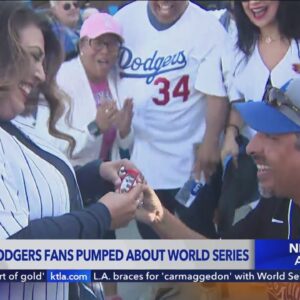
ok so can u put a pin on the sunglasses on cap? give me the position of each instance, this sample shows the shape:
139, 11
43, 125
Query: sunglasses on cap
279, 100
67, 6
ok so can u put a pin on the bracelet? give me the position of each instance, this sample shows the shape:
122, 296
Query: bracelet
235, 127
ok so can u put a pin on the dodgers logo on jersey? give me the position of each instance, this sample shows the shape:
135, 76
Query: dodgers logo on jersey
135, 67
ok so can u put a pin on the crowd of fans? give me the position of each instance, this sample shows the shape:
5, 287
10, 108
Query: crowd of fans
171, 89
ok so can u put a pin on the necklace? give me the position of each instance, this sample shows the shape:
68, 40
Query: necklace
269, 39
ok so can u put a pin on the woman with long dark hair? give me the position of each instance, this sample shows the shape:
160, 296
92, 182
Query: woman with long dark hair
265, 54
40, 197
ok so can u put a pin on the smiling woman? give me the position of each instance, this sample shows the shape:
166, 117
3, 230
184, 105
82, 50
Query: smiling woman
15, 64
23, 67
32, 42
34, 205
264, 54
99, 123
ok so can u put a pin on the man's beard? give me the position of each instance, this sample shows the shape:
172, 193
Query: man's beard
264, 192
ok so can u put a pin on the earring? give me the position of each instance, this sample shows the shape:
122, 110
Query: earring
81, 53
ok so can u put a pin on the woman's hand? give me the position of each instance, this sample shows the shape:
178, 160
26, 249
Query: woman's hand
110, 170
106, 115
207, 159
122, 206
124, 118
230, 146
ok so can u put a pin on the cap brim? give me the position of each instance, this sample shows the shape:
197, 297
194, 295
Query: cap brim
95, 35
265, 118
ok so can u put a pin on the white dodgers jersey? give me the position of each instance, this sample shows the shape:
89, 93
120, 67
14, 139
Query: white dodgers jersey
159, 69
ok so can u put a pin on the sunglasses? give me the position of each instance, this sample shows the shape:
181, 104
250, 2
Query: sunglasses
277, 99
99, 45
68, 6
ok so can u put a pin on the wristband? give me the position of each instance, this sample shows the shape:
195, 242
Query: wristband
93, 129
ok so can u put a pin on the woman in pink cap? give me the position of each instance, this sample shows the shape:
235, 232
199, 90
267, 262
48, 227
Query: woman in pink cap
99, 124
89, 81
95, 118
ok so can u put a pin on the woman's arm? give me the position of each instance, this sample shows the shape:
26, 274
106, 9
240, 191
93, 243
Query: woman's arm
90, 223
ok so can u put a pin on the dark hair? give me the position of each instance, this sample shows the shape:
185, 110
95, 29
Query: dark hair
14, 62
288, 17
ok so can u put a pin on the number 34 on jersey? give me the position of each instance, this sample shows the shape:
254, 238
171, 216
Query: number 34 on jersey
165, 92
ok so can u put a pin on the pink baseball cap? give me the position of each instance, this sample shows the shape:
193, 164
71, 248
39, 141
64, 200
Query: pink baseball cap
98, 24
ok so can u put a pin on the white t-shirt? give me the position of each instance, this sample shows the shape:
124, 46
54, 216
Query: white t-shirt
159, 70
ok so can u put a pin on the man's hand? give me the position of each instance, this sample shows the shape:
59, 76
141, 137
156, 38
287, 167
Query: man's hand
165, 224
124, 118
151, 211
110, 170
122, 207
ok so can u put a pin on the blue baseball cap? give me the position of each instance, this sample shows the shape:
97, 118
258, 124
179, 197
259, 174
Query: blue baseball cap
279, 114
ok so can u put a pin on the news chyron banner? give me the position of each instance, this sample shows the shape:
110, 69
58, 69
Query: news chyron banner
149, 261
